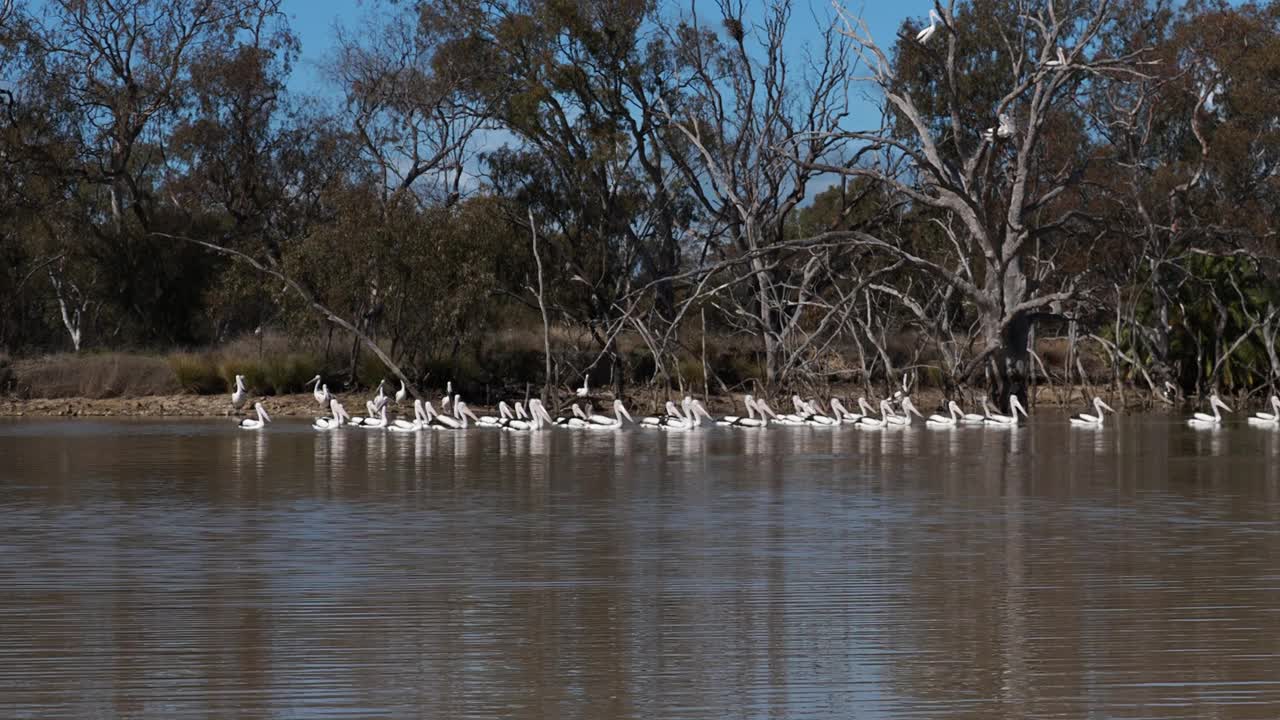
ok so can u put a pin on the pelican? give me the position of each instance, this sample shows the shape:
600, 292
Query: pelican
576, 420
419, 420
750, 420
320, 392
654, 421
1206, 420
1269, 419
378, 422
604, 422
381, 396
582, 391
239, 394
923, 36
819, 419
504, 414
256, 423
867, 422
747, 400
538, 417
402, 393
841, 413
1059, 63
951, 419
1087, 420
972, 418
1015, 406
908, 408
335, 421
684, 418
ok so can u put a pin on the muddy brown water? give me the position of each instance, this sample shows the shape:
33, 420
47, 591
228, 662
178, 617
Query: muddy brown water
190, 570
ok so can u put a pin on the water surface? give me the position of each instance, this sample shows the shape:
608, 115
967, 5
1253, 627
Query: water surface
191, 570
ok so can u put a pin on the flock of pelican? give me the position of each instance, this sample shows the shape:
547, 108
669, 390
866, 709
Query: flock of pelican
688, 414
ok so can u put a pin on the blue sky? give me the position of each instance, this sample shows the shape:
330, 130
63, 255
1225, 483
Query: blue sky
314, 22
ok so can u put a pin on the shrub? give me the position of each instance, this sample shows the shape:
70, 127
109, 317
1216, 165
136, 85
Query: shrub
198, 373
96, 376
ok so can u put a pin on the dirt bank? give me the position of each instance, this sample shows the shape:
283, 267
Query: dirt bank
643, 401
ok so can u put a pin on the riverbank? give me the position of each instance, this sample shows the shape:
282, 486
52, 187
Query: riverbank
643, 400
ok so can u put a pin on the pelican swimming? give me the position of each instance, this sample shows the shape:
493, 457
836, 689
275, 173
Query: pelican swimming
1088, 420
971, 418
419, 421
1015, 406
654, 421
256, 423
504, 414
923, 36
1206, 420
604, 422
908, 409
335, 421
239, 394
817, 418
538, 418
748, 401
577, 420
750, 420
951, 419
377, 422
868, 422
1269, 419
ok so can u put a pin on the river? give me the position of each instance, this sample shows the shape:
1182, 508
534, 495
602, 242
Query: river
187, 569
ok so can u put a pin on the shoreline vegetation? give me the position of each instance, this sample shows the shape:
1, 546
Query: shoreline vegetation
197, 384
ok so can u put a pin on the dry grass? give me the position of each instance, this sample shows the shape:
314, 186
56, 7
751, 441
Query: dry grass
106, 375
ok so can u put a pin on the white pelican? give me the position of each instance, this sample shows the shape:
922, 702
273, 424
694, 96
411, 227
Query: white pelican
683, 419
908, 409
750, 420
576, 420
819, 419
582, 391
604, 422
972, 418
1015, 406
376, 423
538, 418
335, 421
654, 421
749, 401
504, 414
1087, 420
402, 393
239, 394
381, 396
951, 419
319, 392
419, 420
923, 36
842, 413
867, 422
256, 423
699, 411
1269, 419
1206, 420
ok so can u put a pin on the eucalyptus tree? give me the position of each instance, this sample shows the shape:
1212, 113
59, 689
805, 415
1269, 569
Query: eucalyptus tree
982, 118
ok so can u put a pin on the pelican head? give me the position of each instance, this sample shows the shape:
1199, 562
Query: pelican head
313, 381
621, 410
1102, 406
910, 407
1215, 401
864, 406
1015, 406
954, 408
262, 412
